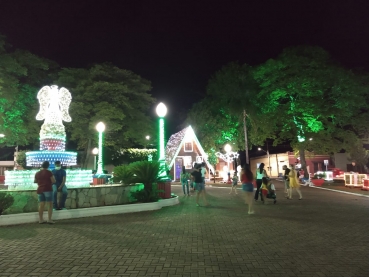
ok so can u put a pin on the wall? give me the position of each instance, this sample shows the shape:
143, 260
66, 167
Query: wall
27, 201
277, 161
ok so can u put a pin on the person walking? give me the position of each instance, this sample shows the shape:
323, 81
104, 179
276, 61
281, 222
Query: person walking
199, 184
203, 172
286, 181
248, 187
59, 186
234, 183
260, 174
44, 179
184, 181
294, 182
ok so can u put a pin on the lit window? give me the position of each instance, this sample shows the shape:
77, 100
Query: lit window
188, 147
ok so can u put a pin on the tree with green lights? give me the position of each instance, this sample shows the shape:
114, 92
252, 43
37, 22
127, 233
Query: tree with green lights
21, 75
115, 96
227, 114
304, 94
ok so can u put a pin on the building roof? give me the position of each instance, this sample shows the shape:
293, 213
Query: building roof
176, 142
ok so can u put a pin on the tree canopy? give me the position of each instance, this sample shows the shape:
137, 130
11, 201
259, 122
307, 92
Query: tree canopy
115, 96
21, 74
307, 95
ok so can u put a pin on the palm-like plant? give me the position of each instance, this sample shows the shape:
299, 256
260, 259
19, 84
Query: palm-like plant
146, 172
6, 200
123, 174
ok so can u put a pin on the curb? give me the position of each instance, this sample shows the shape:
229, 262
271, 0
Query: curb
340, 191
14, 219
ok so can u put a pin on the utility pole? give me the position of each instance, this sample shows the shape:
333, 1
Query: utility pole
246, 143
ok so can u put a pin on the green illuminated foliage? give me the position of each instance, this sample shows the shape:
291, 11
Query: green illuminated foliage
21, 75
218, 119
304, 93
6, 200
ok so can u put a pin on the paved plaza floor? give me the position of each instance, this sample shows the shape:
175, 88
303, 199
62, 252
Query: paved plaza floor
325, 234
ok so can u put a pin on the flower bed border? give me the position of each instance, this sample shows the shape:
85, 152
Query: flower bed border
23, 218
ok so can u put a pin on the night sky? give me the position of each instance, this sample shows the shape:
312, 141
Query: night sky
178, 45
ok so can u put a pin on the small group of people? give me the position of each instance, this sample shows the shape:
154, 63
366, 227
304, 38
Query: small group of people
49, 183
291, 182
197, 181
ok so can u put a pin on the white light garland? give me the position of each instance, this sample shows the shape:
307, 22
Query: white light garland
54, 105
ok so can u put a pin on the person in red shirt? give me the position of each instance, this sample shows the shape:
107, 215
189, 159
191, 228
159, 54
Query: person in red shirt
247, 177
45, 179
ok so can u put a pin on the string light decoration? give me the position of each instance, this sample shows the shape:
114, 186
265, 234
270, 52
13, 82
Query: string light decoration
23, 179
177, 141
54, 105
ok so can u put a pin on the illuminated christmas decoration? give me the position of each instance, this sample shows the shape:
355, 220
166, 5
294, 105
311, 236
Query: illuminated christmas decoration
178, 140
54, 105
161, 111
228, 157
23, 179
100, 127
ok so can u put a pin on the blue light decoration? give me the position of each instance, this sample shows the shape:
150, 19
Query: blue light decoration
36, 158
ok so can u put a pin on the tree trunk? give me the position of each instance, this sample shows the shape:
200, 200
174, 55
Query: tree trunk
246, 142
303, 159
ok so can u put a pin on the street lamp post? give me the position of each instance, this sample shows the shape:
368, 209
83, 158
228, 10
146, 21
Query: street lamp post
228, 149
100, 127
161, 111
269, 167
229, 156
95, 151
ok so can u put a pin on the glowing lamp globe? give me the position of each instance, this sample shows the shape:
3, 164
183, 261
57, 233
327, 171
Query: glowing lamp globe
161, 110
2, 135
100, 127
95, 151
227, 148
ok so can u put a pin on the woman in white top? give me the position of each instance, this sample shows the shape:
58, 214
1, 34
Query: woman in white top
260, 173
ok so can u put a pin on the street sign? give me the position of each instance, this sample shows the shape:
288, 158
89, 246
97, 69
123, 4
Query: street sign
326, 162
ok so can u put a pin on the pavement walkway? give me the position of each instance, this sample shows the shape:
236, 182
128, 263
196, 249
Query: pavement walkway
325, 234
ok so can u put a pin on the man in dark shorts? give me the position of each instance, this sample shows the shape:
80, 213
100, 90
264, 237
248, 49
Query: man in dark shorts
286, 180
199, 184
59, 186
44, 179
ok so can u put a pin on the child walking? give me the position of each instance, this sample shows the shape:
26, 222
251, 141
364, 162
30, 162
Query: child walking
184, 181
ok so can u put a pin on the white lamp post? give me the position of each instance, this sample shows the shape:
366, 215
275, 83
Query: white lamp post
161, 111
100, 127
229, 157
95, 151
228, 149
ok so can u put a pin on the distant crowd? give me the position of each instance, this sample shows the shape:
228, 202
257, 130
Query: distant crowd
264, 187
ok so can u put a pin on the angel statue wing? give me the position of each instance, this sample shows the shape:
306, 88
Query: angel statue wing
64, 101
44, 97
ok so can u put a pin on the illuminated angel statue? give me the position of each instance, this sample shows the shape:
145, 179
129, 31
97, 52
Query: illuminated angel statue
54, 105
